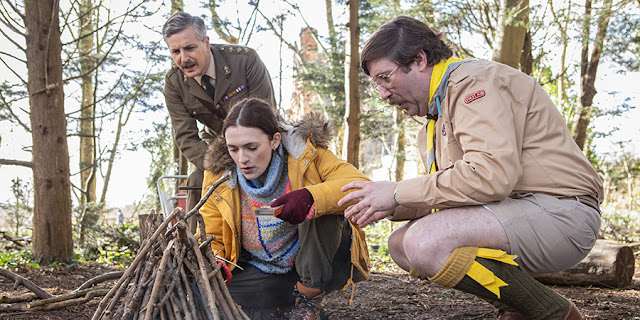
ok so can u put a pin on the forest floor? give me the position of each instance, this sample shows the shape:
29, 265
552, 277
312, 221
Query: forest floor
391, 294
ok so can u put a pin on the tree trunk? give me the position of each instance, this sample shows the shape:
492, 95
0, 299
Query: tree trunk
87, 113
352, 86
608, 264
526, 58
514, 20
52, 238
588, 70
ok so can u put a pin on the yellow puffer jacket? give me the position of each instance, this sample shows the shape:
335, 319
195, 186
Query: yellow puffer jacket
310, 164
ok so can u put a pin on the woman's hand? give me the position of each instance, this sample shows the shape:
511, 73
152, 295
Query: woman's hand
296, 206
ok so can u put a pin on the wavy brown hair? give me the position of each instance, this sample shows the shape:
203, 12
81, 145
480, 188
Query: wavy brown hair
401, 39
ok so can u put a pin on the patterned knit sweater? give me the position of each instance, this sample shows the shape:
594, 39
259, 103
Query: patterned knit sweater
273, 243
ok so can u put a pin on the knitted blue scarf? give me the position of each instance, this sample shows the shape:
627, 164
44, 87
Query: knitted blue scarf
253, 187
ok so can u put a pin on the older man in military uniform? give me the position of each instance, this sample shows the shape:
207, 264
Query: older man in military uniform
203, 84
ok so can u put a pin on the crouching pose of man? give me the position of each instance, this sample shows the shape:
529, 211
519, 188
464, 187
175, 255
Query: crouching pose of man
508, 192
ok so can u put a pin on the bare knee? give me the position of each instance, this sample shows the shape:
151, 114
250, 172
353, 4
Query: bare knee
396, 248
425, 252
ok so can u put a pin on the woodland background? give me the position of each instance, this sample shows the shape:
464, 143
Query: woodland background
77, 74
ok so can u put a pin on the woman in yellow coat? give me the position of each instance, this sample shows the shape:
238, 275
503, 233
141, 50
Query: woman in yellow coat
306, 248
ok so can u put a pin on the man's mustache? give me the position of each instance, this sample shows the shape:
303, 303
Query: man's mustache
188, 64
395, 100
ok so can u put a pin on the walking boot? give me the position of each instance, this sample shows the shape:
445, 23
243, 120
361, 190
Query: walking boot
308, 305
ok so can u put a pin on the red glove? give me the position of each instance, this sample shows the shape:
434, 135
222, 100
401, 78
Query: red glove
297, 206
226, 273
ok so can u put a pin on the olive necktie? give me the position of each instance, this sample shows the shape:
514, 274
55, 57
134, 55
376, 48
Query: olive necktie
208, 87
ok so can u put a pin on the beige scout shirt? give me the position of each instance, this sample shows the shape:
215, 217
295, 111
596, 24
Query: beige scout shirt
499, 134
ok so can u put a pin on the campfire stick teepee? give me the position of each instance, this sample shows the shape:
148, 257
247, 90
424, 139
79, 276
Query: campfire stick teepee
174, 276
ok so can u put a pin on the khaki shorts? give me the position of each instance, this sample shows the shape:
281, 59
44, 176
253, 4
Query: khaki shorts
548, 234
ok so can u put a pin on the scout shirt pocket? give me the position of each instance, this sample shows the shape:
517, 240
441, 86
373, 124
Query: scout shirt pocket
450, 152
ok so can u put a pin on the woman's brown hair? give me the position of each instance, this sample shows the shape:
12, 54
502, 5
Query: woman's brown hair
252, 113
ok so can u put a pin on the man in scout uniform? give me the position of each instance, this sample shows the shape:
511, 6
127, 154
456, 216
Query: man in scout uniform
203, 84
514, 192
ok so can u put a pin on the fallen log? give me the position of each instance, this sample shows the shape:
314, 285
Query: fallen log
609, 264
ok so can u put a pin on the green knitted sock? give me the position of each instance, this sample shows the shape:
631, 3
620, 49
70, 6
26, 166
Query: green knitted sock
523, 293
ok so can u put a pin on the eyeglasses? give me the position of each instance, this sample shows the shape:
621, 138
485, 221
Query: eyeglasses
382, 79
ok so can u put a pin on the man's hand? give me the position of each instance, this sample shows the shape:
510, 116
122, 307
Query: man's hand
297, 206
373, 201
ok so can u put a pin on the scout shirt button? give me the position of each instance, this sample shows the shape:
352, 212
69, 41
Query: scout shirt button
194, 113
217, 198
217, 106
305, 161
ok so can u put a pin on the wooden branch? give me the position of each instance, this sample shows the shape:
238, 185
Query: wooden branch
11, 162
62, 297
158, 281
132, 306
101, 278
205, 279
26, 283
189, 293
53, 305
204, 198
25, 297
16, 241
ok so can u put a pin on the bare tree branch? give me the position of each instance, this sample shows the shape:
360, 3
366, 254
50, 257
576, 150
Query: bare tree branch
14, 73
6, 22
16, 10
12, 56
281, 37
11, 162
219, 28
15, 117
9, 19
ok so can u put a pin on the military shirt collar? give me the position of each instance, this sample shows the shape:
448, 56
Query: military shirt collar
211, 71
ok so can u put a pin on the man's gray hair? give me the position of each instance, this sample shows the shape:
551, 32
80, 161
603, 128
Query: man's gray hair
182, 20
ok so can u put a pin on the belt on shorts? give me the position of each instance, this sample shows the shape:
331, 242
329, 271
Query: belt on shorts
588, 199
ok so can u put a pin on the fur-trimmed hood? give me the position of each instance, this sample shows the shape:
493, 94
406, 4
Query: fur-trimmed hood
314, 126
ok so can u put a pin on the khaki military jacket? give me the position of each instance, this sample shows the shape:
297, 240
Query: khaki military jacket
188, 102
499, 134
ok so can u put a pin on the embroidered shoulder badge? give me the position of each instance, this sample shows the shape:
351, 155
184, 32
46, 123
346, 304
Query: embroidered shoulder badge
474, 96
